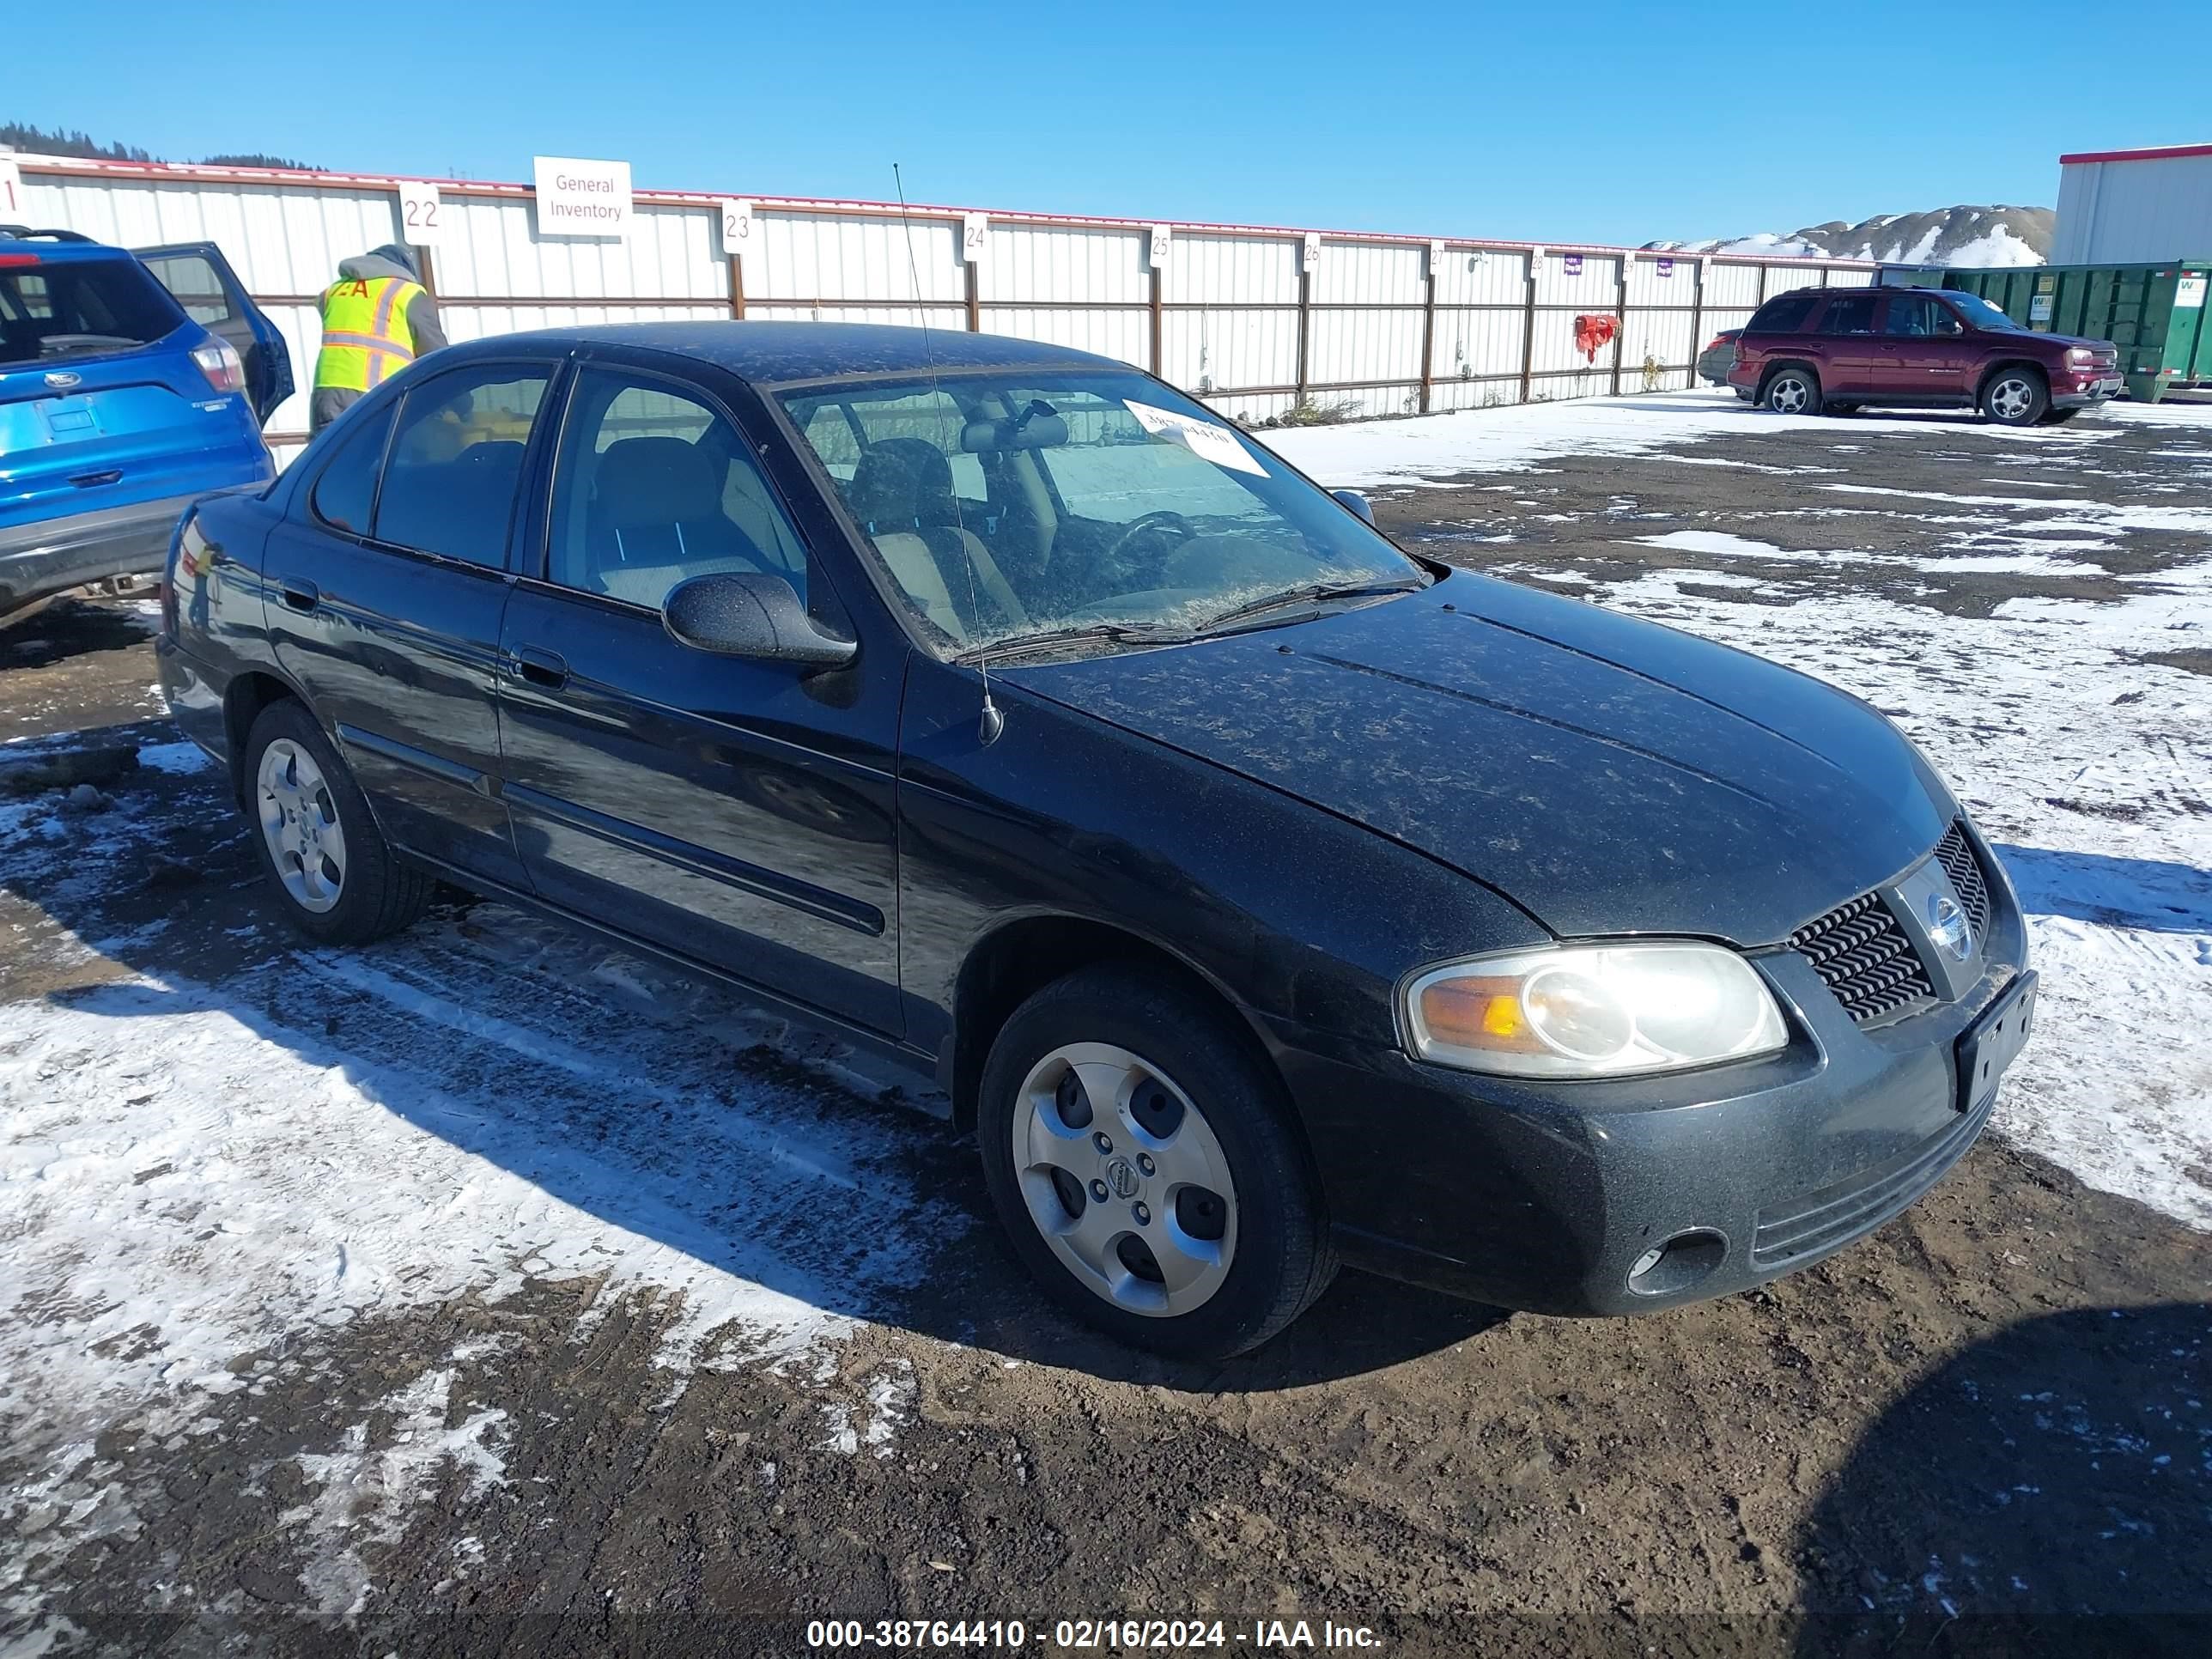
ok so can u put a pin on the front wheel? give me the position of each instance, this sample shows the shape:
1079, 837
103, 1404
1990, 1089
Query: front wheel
1792, 391
1143, 1161
338, 881
2015, 397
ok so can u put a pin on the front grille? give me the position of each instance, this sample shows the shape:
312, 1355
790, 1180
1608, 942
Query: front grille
1788, 1233
1965, 870
1862, 954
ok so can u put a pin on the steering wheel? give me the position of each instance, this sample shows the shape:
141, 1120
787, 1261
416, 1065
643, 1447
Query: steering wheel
1151, 521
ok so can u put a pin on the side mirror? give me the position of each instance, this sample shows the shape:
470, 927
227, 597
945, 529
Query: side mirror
735, 615
1356, 502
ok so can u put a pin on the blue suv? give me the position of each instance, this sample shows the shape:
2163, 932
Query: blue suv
131, 384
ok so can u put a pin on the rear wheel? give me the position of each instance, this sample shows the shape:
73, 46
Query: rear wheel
1143, 1161
336, 879
1792, 391
2015, 397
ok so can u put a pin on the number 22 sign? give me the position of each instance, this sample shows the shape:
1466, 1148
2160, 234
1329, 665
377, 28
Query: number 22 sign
422, 215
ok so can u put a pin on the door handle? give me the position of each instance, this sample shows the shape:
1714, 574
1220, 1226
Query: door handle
300, 596
547, 668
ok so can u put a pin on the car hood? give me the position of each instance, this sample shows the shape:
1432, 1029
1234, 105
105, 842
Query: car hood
1608, 775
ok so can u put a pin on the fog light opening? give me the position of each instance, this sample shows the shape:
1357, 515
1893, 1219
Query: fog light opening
1680, 1262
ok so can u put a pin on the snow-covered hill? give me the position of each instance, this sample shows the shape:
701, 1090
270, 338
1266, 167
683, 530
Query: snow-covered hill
1947, 236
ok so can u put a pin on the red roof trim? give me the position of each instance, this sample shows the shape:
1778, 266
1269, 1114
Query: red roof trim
193, 174
2169, 153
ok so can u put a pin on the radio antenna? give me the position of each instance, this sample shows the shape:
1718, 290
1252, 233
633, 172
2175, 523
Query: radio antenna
992, 722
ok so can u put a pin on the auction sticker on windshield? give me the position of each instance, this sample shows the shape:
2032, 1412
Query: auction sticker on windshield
1203, 439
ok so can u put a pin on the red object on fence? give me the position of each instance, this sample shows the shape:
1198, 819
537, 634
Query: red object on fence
1593, 332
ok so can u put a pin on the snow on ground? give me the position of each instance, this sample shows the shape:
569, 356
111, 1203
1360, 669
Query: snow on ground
1521, 437
2047, 701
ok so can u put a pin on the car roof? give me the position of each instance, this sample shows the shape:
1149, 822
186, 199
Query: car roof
57, 247
773, 353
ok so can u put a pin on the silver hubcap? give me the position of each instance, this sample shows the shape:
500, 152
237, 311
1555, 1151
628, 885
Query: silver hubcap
300, 822
1789, 395
1125, 1179
2012, 398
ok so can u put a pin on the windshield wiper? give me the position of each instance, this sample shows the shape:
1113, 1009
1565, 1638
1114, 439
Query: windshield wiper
1054, 639
1306, 594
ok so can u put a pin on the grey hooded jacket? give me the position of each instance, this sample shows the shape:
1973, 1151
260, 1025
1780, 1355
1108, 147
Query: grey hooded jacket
326, 403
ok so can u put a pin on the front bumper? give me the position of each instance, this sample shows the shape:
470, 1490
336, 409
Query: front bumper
2086, 390
58, 554
1547, 1197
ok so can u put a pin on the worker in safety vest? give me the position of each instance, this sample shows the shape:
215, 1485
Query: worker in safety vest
377, 318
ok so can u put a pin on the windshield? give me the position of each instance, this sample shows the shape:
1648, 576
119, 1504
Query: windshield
1004, 508
1981, 315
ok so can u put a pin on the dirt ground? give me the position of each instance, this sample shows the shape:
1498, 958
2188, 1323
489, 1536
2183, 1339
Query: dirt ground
1986, 1430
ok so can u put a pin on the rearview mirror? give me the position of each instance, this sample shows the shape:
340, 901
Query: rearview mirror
1356, 502
742, 615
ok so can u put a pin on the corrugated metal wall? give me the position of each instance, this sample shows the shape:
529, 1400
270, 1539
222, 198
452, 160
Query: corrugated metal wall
2117, 209
1249, 319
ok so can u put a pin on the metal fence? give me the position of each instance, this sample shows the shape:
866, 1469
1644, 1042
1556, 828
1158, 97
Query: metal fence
1253, 319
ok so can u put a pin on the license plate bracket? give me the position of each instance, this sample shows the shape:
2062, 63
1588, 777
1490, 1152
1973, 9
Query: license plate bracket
1993, 1042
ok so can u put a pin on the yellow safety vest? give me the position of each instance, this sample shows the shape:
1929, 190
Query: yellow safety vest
365, 339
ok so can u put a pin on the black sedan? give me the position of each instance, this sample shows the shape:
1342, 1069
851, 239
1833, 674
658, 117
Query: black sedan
1261, 895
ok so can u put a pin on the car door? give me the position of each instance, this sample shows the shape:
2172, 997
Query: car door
1850, 349
740, 813
1923, 348
386, 583
212, 296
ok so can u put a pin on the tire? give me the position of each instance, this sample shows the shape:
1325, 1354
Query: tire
334, 876
2058, 416
1258, 1253
1792, 388
2018, 396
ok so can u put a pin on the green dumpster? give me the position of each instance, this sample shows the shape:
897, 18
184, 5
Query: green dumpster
2155, 313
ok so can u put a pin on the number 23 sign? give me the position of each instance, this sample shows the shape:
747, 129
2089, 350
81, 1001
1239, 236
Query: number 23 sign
737, 219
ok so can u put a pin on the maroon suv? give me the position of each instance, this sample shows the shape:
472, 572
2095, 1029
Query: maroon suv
1816, 349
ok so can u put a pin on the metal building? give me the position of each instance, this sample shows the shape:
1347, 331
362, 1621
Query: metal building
2134, 206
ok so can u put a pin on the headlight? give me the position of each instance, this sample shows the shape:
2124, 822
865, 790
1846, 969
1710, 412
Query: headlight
2082, 356
1592, 1010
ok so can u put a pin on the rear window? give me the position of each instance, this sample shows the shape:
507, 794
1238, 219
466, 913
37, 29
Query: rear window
1784, 314
1853, 315
57, 310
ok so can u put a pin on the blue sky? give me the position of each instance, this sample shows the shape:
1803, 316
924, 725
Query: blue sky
1595, 121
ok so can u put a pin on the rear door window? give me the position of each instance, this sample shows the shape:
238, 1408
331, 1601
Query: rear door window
1852, 314
57, 309
190, 278
1784, 314
1915, 316
456, 462
345, 493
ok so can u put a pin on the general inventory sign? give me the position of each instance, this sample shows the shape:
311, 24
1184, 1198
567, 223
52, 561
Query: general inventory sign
581, 198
